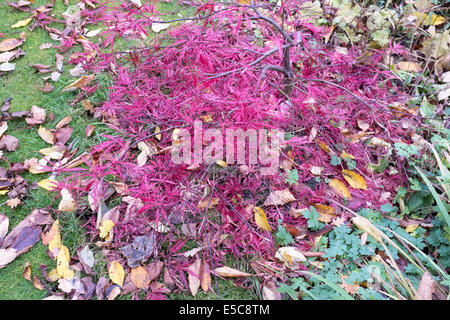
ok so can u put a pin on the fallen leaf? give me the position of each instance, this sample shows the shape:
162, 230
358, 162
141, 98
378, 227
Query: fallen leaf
89, 130
9, 44
140, 278
3, 128
270, 291
52, 238
105, 228
289, 255
326, 213
340, 188
21, 23
9, 143
194, 276
411, 228
116, 273
87, 258
351, 288
63, 135
27, 271
4, 225
228, 272
62, 264
37, 283
205, 276
7, 256
37, 116
67, 204
203, 204
409, 66
366, 226
279, 198
46, 135
261, 219
159, 26
426, 287
81, 82
54, 152
354, 179
13, 203
6, 67
48, 184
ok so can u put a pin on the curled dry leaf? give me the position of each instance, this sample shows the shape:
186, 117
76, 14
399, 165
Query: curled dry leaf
37, 116
27, 271
67, 204
228, 272
81, 82
279, 198
290, 256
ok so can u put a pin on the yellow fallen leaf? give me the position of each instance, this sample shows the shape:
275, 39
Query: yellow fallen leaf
140, 278
62, 264
105, 228
116, 273
54, 152
48, 184
52, 276
52, 238
67, 204
21, 23
427, 19
326, 213
411, 228
354, 179
366, 226
157, 130
221, 163
345, 155
228, 272
46, 135
4, 191
81, 82
340, 188
261, 219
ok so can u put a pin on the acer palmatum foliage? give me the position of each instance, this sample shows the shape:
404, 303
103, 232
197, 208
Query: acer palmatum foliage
243, 66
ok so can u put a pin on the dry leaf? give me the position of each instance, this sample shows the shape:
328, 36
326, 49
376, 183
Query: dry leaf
279, 198
9, 44
326, 213
340, 188
6, 67
67, 204
37, 116
205, 276
354, 179
13, 203
203, 204
289, 255
9, 143
366, 226
89, 130
270, 291
27, 271
37, 283
105, 227
46, 135
261, 219
194, 276
409, 66
116, 273
65, 121
21, 23
427, 286
48, 184
81, 82
139, 277
228, 272
157, 26
62, 264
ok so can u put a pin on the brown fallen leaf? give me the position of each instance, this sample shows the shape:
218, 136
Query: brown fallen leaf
63, 135
228, 272
9, 143
27, 271
81, 82
7, 256
270, 291
205, 276
426, 287
37, 116
89, 130
194, 276
65, 121
46, 135
13, 203
87, 105
37, 283
279, 198
9, 44
140, 277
